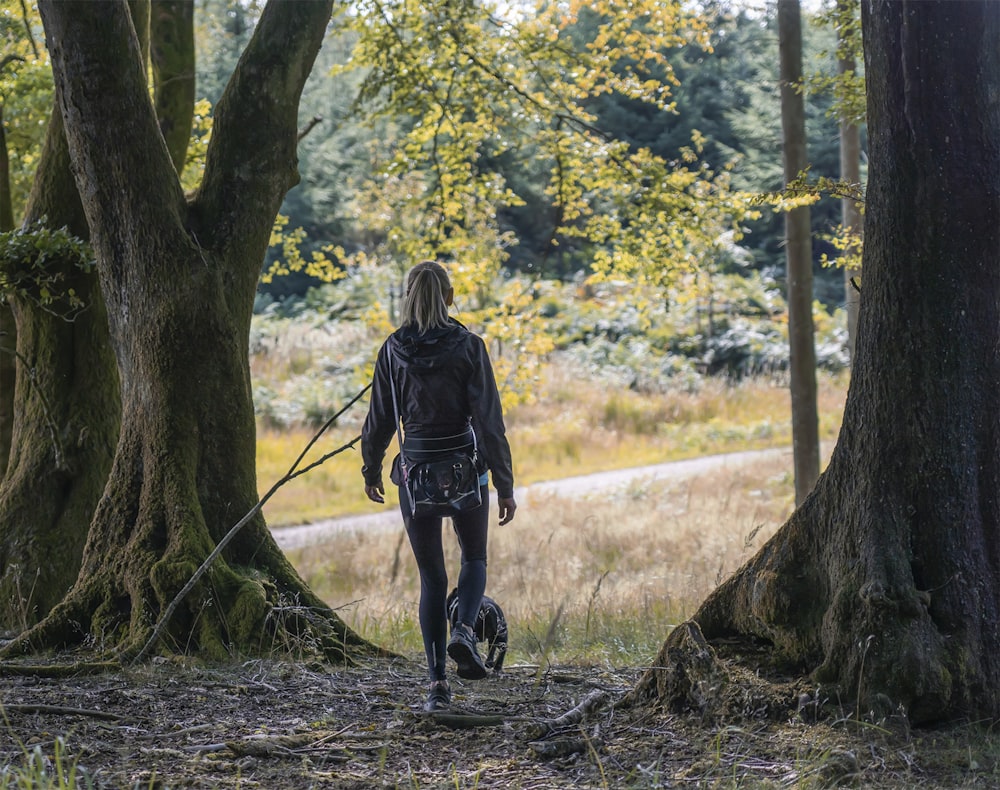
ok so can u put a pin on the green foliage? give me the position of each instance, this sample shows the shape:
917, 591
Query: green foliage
318, 265
26, 94
478, 89
40, 771
35, 265
846, 86
550, 128
222, 31
201, 133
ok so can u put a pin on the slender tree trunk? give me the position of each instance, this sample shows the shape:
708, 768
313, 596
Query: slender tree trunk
179, 280
850, 173
172, 55
885, 583
798, 253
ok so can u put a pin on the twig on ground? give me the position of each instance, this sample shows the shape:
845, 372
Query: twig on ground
462, 721
62, 710
591, 704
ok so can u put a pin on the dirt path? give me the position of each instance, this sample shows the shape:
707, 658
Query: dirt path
582, 486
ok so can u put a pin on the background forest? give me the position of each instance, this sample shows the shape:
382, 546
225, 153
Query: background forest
542, 300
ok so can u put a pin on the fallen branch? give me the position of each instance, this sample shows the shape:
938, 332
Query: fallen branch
462, 721
286, 746
591, 704
203, 568
564, 747
61, 710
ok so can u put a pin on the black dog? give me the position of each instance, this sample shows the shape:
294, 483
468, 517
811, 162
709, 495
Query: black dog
490, 627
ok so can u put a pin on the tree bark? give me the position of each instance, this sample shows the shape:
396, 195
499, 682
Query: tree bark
68, 403
66, 418
798, 254
179, 280
885, 583
172, 55
850, 173
8, 329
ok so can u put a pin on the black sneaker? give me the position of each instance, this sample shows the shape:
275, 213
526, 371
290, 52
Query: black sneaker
439, 696
462, 648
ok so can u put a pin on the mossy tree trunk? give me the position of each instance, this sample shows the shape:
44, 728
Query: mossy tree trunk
8, 328
66, 415
68, 407
171, 51
885, 583
179, 279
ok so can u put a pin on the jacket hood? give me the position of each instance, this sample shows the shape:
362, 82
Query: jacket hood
430, 348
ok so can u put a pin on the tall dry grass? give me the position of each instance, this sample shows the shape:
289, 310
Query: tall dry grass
584, 580
574, 426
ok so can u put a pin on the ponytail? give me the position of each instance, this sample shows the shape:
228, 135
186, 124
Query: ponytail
425, 304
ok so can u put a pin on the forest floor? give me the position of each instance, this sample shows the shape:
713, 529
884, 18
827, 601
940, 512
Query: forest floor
277, 725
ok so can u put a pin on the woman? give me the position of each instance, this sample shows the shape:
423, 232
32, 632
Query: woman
445, 390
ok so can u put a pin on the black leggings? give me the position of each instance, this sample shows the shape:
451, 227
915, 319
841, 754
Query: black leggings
428, 550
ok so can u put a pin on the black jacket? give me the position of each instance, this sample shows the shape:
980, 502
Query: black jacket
444, 382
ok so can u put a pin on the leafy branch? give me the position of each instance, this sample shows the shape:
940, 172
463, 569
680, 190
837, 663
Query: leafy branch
36, 264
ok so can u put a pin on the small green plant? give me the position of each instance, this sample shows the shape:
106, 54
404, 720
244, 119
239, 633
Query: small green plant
38, 771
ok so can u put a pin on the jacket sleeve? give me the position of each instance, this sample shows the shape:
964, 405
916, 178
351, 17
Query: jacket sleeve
380, 424
487, 420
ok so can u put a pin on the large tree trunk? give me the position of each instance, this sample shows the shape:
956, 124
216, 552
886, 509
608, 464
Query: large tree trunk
798, 254
66, 416
885, 583
68, 404
179, 281
68, 407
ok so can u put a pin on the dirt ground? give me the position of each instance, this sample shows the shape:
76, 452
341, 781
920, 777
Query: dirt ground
300, 725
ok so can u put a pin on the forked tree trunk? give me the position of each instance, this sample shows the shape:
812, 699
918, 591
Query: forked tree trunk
885, 583
179, 280
68, 406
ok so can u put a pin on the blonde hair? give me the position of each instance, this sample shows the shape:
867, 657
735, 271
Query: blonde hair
425, 303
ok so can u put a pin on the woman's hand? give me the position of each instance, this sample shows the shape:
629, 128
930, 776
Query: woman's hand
376, 493
507, 508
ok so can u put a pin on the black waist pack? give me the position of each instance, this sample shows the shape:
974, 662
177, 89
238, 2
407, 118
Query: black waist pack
442, 486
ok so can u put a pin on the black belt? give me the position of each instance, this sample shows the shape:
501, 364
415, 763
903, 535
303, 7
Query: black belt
422, 448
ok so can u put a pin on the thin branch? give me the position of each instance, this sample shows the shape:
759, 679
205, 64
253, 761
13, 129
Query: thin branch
27, 27
290, 475
10, 59
63, 711
313, 122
